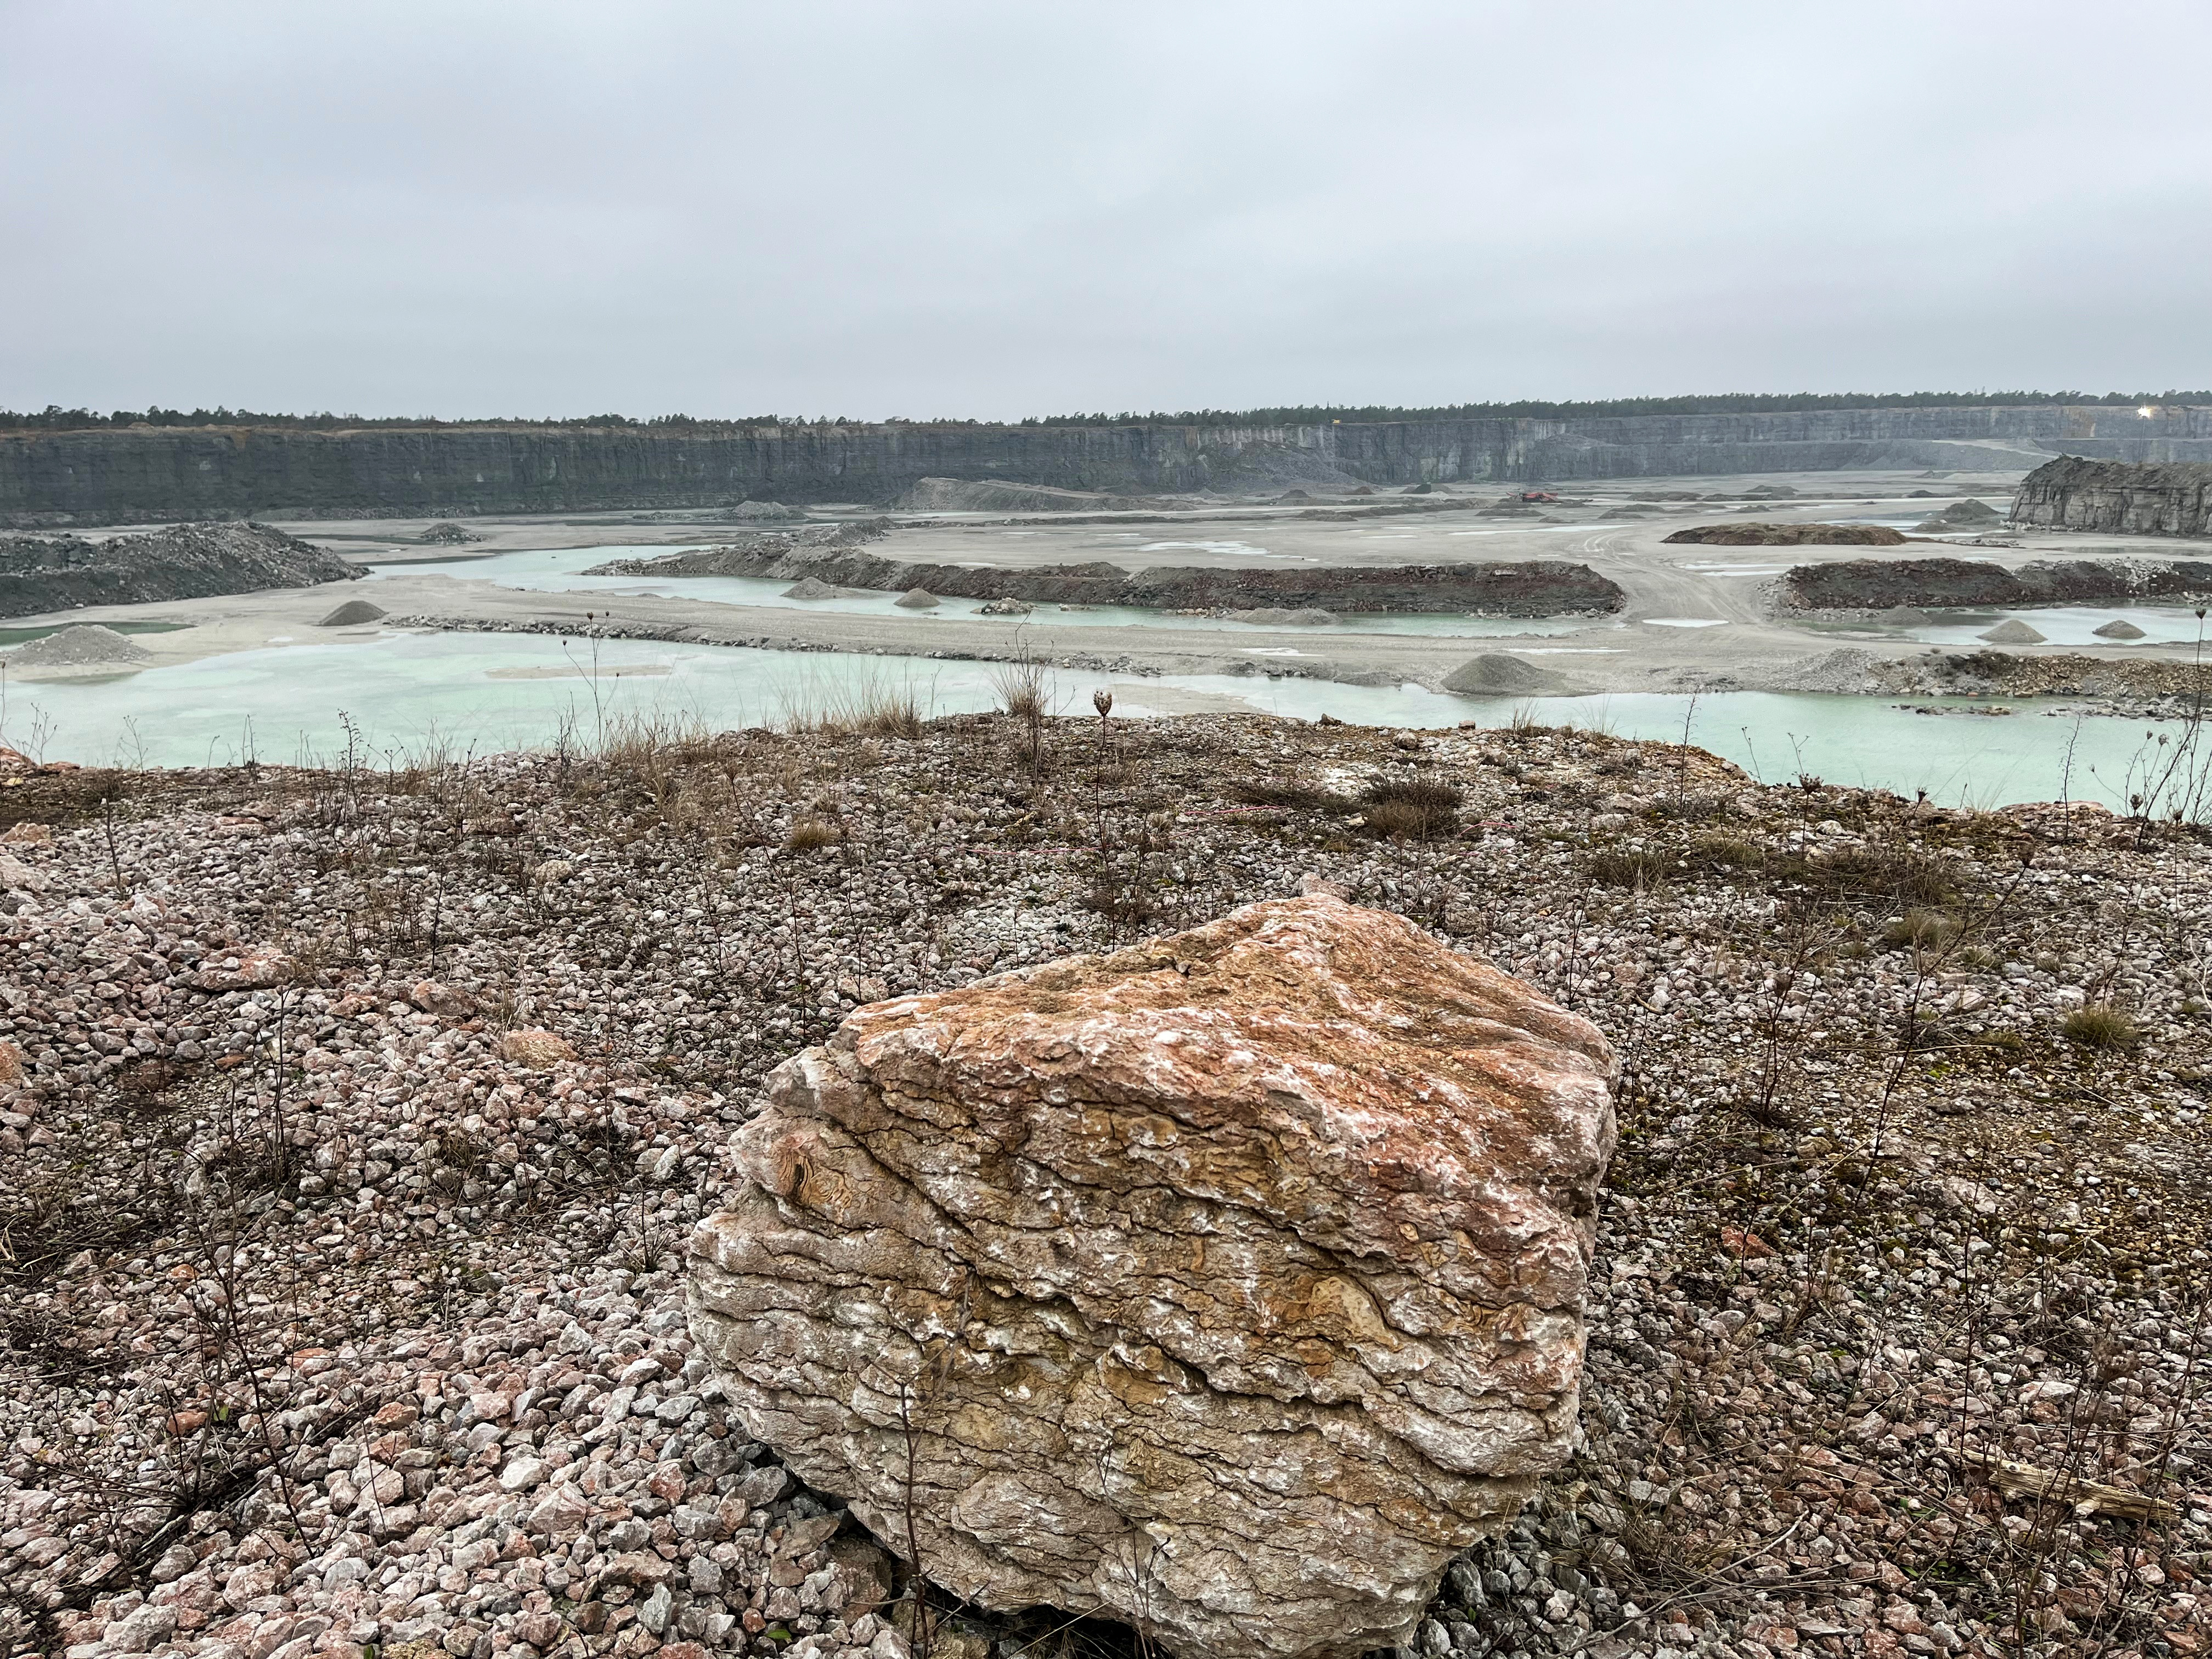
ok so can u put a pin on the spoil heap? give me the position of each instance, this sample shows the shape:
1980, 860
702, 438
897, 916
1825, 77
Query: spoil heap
1757, 534
187, 561
84, 645
1268, 1237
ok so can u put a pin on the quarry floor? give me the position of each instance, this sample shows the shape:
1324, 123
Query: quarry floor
1617, 527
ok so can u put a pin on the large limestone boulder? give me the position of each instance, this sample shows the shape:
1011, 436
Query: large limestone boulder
1227, 1286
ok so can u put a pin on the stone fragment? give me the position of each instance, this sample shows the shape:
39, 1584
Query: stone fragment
435, 996
1232, 1283
17, 877
26, 834
247, 967
536, 1048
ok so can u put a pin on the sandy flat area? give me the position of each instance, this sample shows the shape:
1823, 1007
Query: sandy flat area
1694, 612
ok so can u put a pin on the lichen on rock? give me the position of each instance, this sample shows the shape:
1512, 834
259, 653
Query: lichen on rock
1227, 1286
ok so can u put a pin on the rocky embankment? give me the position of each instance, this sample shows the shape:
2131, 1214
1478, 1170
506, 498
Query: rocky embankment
191, 561
351, 1126
1884, 584
2162, 498
1534, 589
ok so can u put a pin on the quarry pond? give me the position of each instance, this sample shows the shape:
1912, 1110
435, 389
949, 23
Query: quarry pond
407, 695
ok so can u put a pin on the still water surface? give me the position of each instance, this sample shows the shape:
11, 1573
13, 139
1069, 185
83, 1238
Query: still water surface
408, 695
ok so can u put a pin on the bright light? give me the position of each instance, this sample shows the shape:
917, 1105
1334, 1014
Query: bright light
2148, 410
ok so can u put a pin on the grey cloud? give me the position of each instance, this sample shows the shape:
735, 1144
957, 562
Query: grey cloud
1000, 210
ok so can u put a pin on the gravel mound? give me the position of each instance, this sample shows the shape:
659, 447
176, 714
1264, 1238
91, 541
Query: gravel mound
446, 533
83, 644
1967, 514
808, 587
916, 598
2012, 631
1903, 616
1846, 669
352, 612
2120, 628
1276, 616
1495, 674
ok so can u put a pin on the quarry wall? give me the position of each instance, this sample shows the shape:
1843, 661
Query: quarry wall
2155, 498
111, 476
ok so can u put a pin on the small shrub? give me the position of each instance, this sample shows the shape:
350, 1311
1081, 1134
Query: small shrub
1302, 797
1868, 873
1691, 809
2101, 1025
808, 834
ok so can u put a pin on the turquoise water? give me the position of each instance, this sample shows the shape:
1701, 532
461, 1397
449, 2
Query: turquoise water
410, 695
560, 570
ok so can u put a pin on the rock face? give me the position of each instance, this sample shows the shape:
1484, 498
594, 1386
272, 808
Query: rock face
1227, 1286
111, 474
189, 561
2172, 498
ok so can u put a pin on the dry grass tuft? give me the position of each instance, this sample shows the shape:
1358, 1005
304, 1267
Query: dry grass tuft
1416, 808
1921, 929
2101, 1025
1022, 690
811, 833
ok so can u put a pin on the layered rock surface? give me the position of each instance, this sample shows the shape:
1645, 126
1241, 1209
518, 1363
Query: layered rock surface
2172, 498
1227, 1286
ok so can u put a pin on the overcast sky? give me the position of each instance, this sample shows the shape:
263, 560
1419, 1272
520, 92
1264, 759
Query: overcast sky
999, 210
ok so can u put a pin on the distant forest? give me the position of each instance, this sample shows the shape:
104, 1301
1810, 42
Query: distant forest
54, 418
